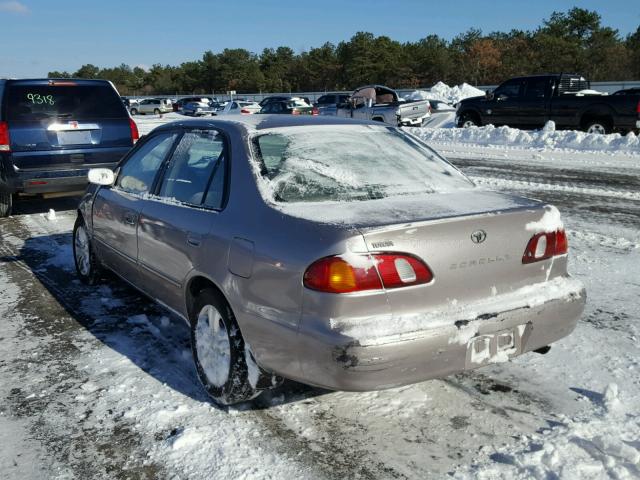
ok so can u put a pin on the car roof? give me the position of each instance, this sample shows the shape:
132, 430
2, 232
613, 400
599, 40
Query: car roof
46, 81
264, 122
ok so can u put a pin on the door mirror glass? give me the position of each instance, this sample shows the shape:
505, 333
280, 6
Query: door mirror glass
101, 176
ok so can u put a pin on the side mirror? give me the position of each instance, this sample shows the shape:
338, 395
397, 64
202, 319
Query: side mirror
101, 176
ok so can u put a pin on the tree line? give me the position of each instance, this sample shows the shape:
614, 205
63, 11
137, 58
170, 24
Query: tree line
572, 41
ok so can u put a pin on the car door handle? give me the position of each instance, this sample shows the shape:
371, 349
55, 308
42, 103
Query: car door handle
130, 218
194, 240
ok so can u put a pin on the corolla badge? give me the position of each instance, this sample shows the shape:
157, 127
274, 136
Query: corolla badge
478, 236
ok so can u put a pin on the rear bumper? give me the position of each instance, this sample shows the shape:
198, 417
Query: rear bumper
34, 181
535, 317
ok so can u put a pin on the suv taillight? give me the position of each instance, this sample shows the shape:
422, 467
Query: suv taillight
638, 108
545, 245
315, 111
356, 273
5, 143
135, 136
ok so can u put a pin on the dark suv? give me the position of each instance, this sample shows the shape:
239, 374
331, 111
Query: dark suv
52, 131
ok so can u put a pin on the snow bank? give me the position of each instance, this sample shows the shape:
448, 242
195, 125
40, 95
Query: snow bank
443, 92
547, 138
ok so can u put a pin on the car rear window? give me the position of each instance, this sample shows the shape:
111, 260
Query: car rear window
349, 163
77, 102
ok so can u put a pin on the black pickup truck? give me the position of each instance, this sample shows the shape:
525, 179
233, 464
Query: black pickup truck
529, 102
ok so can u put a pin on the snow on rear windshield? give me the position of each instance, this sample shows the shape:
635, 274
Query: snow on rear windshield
349, 163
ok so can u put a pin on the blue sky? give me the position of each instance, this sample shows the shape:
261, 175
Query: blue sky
43, 35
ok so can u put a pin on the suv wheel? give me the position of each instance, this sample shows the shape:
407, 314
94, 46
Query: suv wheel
156, 111
599, 127
468, 120
87, 266
224, 365
6, 203
134, 111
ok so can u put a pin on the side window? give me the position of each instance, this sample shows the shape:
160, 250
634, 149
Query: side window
536, 87
198, 156
138, 173
267, 108
510, 89
234, 106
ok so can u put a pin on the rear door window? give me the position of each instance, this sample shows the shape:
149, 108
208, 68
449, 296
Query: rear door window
196, 162
76, 102
536, 88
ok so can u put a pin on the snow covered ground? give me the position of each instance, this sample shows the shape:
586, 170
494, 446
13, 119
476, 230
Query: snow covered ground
98, 382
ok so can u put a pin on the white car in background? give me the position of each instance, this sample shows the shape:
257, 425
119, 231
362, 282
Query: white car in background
239, 107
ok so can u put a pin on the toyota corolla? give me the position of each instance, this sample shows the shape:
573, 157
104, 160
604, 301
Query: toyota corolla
346, 255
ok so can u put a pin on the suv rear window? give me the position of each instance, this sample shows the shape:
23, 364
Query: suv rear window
76, 102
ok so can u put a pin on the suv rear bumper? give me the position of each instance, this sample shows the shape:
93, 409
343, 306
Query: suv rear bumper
34, 181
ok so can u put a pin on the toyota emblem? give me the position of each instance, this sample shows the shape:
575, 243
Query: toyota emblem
478, 236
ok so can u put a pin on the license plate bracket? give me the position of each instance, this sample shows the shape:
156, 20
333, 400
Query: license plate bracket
80, 137
495, 347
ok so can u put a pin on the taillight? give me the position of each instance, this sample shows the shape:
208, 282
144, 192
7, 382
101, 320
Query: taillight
357, 273
315, 111
5, 143
245, 111
545, 245
638, 108
135, 135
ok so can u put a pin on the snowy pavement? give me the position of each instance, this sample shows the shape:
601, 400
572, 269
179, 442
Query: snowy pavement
98, 382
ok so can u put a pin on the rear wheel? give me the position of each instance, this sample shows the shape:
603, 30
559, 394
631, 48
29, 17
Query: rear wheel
224, 364
134, 111
6, 204
87, 266
598, 126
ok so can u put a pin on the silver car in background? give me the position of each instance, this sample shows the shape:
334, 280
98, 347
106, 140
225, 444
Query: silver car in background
338, 253
155, 106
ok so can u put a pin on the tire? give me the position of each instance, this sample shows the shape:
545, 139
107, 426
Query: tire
6, 204
468, 120
219, 352
598, 127
87, 266
134, 111
156, 111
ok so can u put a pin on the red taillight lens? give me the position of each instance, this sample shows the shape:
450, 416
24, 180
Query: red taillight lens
545, 245
135, 135
366, 272
400, 270
315, 111
245, 111
295, 112
5, 142
638, 108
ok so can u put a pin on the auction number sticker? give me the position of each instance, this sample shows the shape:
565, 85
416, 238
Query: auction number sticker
38, 99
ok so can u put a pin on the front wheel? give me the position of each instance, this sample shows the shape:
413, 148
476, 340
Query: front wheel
598, 127
468, 120
224, 364
87, 265
6, 204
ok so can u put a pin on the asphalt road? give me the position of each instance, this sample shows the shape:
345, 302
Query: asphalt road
84, 372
